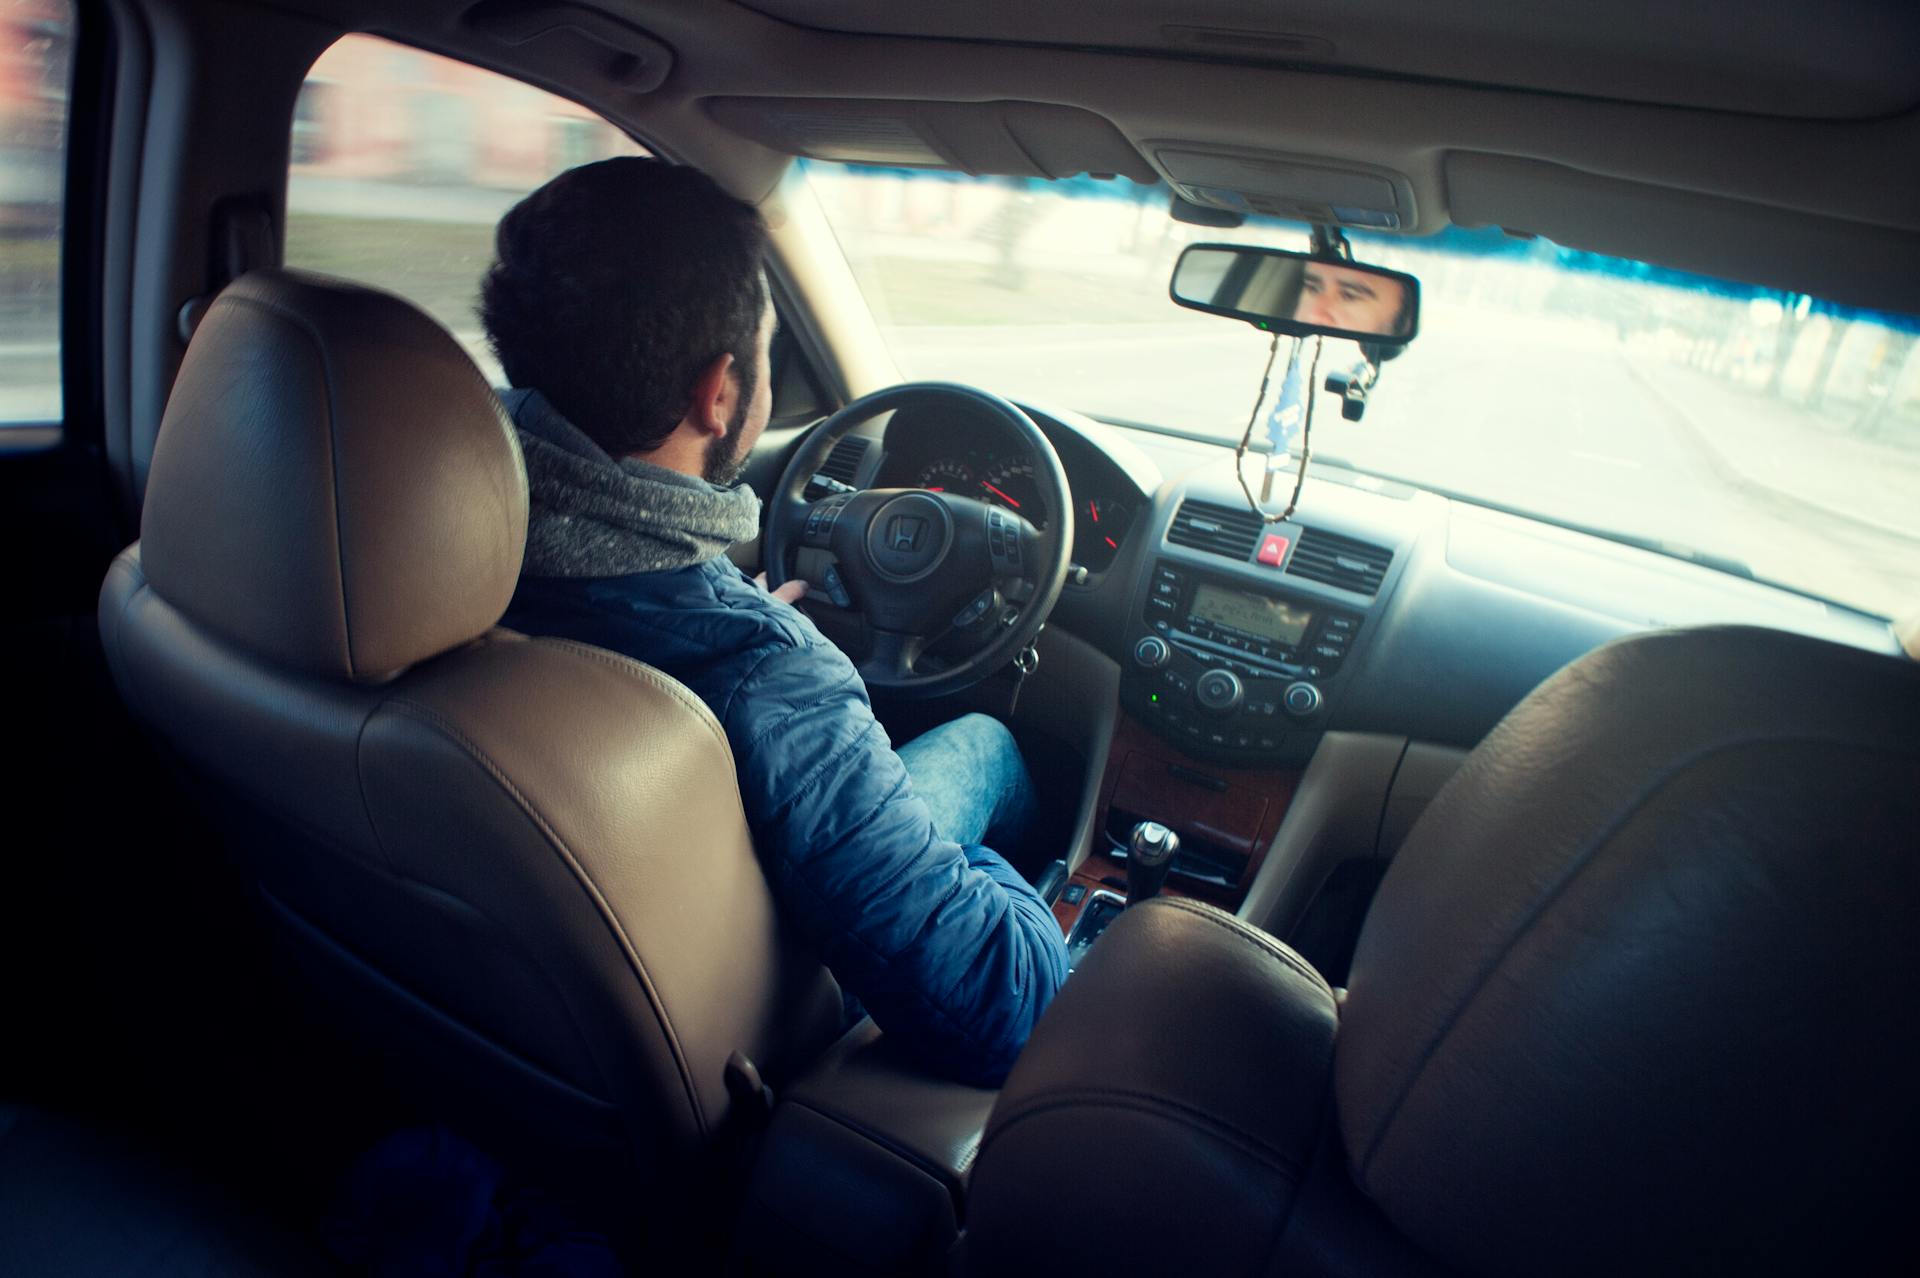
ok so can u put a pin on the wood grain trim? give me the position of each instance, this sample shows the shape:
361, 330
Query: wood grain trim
1244, 815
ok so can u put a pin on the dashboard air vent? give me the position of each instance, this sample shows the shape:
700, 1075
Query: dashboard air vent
842, 464
1219, 530
1334, 560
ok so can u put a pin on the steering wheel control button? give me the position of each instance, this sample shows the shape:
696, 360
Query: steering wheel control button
1301, 700
818, 530
1273, 549
1218, 691
981, 604
1151, 652
836, 588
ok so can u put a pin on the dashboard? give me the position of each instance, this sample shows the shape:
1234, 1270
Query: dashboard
1379, 608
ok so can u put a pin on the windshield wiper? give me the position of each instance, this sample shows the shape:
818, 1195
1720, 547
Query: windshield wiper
1659, 546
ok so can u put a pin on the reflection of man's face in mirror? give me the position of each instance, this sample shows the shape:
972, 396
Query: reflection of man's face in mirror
1341, 297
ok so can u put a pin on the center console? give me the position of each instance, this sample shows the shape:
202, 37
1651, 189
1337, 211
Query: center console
1234, 674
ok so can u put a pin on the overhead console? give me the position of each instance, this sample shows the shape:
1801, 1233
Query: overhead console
1242, 632
1302, 188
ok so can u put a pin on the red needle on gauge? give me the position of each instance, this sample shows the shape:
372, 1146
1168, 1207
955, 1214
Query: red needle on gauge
997, 493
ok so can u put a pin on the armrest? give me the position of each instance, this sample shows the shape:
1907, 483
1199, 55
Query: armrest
864, 1165
1165, 1112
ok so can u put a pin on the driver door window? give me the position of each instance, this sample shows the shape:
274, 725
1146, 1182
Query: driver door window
403, 161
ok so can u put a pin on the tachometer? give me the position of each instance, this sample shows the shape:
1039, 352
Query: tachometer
948, 475
1011, 484
1107, 520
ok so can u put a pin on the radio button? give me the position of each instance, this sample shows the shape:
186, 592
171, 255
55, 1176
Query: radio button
1219, 691
1151, 652
1301, 700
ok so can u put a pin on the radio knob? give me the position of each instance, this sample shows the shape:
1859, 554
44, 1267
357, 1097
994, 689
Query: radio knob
1301, 700
1151, 652
1218, 691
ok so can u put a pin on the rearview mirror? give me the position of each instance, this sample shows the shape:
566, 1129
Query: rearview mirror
1298, 294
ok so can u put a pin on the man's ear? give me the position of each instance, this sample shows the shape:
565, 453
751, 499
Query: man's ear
714, 392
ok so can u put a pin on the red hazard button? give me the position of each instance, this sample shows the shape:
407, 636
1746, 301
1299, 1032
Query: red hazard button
1273, 548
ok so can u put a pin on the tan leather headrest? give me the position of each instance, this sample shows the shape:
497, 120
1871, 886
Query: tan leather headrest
335, 487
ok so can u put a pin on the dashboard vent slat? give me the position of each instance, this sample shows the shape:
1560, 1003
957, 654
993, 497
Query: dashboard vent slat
843, 463
1333, 560
1218, 530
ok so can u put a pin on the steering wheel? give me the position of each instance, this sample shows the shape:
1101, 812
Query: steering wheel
920, 565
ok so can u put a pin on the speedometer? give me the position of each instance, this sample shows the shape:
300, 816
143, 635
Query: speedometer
1011, 484
948, 475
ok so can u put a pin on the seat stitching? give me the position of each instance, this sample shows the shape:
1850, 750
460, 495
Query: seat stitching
652, 676
312, 335
403, 706
1146, 1103
1244, 932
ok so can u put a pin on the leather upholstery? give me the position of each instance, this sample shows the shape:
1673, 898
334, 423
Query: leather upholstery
335, 486
1636, 996
521, 866
1644, 974
864, 1166
1165, 1110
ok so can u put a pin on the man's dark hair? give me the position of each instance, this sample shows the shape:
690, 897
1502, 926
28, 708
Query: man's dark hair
615, 285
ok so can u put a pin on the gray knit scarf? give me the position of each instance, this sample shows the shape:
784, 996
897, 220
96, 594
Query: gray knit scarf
590, 515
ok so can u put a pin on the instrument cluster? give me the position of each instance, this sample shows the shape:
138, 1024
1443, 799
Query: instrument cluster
1004, 476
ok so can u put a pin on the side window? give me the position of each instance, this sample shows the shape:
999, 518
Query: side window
36, 53
403, 161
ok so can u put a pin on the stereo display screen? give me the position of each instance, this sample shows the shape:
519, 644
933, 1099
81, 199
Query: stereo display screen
1272, 620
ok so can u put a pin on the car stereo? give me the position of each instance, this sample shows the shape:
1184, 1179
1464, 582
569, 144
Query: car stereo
1232, 673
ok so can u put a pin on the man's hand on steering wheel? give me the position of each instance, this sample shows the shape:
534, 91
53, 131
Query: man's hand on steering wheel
919, 565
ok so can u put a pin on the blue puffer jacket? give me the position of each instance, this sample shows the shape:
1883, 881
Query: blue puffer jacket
947, 946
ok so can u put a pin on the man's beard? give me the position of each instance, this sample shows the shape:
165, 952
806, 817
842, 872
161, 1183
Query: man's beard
723, 462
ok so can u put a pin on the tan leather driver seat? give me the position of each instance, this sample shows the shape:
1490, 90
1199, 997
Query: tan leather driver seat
518, 865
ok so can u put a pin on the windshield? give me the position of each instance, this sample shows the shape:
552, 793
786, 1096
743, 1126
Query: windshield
1752, 429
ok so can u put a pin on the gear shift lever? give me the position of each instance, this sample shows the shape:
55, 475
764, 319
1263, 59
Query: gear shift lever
1150, 851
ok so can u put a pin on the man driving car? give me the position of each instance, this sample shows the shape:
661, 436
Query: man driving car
628, 308
1354, 301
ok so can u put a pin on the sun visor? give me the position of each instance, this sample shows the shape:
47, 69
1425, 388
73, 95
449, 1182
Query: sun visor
1854, 263
1011, 139
1301, 188
576, 35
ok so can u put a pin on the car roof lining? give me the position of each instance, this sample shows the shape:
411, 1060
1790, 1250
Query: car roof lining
1719, 192
1838, 60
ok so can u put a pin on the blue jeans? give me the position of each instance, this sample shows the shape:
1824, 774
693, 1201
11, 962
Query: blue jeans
970, 775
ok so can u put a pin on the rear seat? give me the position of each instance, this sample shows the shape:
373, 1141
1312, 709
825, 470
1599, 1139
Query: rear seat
75, 1201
